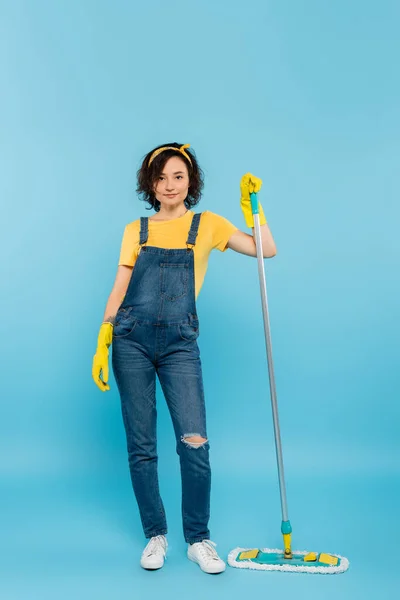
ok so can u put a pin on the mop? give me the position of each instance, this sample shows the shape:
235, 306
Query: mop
266, 558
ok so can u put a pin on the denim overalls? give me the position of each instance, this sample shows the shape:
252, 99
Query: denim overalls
155, 331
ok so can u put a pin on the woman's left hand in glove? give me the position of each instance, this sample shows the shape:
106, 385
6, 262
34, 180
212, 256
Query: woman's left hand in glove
250, 183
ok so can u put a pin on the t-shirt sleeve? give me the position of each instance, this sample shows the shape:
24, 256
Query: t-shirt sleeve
129, 247
222, 230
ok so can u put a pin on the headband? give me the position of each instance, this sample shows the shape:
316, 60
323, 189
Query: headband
181, 150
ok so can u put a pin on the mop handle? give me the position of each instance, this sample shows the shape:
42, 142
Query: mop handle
286, 529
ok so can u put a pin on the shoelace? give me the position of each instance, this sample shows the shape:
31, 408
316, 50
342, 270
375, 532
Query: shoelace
156, 543
207, 550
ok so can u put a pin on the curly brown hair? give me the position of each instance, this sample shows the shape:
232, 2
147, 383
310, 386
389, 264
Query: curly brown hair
147, 176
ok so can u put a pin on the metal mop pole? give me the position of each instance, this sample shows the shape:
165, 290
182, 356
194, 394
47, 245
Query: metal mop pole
286, 528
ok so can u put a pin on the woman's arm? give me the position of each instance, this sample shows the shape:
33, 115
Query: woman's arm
118, 292
246, 244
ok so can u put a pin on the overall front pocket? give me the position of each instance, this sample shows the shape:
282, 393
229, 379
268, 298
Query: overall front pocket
174, 279
189, 331
124, 326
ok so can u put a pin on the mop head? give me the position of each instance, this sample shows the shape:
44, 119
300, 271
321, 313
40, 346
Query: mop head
267, 559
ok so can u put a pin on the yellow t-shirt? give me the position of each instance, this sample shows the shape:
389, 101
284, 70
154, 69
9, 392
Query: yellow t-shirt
214, 232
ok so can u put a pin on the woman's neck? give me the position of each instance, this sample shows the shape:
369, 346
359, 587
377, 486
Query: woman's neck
169, 215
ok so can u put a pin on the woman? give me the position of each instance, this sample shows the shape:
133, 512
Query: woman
152, 321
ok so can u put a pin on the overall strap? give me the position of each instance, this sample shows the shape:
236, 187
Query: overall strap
144, 230
194, 229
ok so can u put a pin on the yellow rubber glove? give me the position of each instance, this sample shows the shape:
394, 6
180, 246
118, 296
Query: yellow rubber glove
100, 359
248, 184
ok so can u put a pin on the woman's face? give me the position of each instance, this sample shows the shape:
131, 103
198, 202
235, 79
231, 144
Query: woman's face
172, 186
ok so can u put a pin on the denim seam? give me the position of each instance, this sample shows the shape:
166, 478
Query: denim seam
157, 532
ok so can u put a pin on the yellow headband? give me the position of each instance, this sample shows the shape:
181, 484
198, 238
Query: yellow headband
181, 150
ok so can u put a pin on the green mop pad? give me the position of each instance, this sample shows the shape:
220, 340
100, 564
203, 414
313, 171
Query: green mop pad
274, 560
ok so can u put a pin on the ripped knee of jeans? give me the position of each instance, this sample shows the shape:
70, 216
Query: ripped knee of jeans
193, 440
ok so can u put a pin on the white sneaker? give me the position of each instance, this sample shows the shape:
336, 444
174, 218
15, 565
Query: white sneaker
205, 555
154, 554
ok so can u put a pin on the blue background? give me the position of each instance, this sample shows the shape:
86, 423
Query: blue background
306, 96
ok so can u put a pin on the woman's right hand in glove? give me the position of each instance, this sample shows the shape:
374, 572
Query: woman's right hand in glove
100, 359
